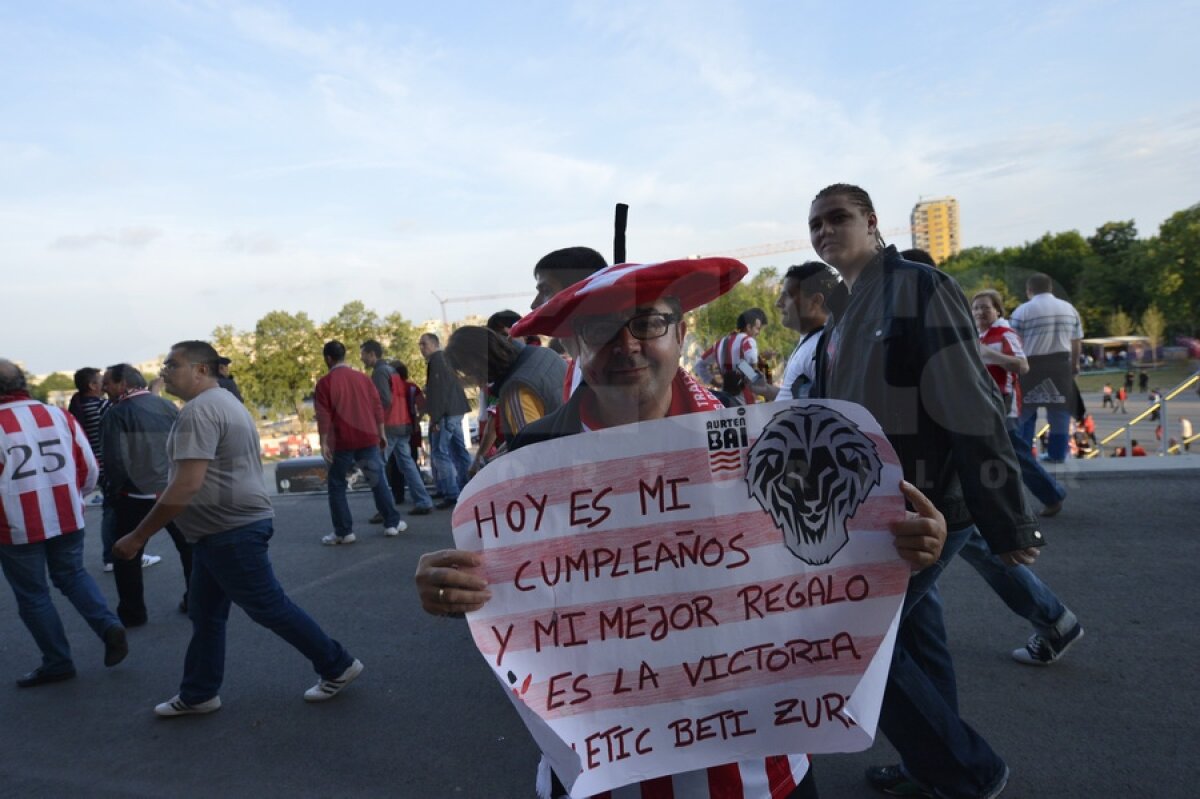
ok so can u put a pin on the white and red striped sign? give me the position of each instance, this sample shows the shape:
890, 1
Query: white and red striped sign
647, 617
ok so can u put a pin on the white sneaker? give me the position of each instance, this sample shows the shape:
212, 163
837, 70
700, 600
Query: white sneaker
150, 560
328, 689
177, 707
400, 527
333, 539
108, 567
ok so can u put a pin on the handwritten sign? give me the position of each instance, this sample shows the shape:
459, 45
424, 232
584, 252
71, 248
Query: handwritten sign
693, 591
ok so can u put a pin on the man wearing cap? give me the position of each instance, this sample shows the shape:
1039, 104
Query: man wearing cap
627, 322
225, 380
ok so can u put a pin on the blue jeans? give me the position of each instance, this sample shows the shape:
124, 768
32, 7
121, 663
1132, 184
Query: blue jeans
1060, 430
370, 461
25, 566
108, 530
920, 703
1039, 482
1021, 590
450, 456
399, 452
233, 567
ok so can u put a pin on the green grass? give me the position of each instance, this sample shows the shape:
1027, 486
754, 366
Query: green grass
1166, 376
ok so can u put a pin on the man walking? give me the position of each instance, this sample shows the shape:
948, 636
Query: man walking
446, 404
134, 434
350, 423
801, 307
902, 345
1053, 338
216, 492
397, 424
46, 466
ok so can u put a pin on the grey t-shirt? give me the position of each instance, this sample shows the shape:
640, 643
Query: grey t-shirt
215, 427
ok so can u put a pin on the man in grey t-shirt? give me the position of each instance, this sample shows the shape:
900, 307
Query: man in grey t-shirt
217, 496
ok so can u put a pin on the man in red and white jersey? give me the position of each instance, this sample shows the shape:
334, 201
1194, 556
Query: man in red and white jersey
46, 466
735, 357
627, 323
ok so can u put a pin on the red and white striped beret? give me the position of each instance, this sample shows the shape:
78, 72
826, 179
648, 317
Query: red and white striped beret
620, 287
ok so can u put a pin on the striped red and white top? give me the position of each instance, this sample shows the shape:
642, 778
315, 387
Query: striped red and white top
726, 354
768, 778
1004, 339
46, 466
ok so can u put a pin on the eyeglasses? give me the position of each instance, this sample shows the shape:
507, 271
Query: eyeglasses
643, 327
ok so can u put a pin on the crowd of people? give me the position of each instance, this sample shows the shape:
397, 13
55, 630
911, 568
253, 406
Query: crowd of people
955, 387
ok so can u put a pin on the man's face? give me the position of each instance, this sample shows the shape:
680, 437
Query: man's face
788, 304
754, 328
547, 286
841, 232
179, 374
425, 344
223, 369
628, 368
368, 358
111, 388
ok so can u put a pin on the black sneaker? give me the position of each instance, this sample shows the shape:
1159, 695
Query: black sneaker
115, 645
1041, 651
420, 510
893, 781
376, 519
446, 504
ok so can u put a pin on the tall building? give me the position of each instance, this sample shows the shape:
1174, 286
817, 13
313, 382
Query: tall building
935, 227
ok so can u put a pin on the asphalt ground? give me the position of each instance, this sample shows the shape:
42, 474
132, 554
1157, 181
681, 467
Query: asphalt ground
1115, 718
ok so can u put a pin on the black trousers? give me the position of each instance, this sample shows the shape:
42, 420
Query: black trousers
131, 602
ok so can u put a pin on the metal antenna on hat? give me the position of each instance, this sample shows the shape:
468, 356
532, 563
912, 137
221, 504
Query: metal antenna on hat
621, 217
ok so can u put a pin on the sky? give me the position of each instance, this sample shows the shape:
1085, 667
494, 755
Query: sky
167, 166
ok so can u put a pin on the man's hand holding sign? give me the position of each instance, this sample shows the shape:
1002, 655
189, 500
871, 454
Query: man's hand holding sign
697, 598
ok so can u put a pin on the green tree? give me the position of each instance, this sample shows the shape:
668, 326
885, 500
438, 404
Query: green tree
1154, 326
1119, 323
1120, 276
58, 381
1176, 251
352, 325
399, 337
287, 363
1065, 257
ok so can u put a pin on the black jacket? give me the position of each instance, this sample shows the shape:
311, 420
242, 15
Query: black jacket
903, 345
444, 395
134, 436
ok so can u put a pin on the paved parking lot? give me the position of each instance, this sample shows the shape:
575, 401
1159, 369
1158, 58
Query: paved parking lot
1116, 718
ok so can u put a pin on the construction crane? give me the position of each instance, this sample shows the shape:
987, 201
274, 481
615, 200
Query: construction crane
479, 298
791, 245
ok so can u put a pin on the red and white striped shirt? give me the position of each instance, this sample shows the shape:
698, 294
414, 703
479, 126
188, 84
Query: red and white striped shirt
46, 466
726, 354
1006, 341
767, 778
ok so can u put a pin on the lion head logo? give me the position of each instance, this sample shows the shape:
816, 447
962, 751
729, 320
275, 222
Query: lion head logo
811, 469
